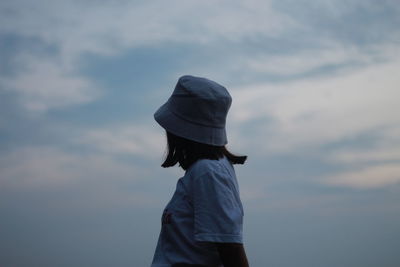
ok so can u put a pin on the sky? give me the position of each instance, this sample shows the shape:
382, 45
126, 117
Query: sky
315, 87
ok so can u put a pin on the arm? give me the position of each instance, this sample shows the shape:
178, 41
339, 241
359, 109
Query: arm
232, 254
218, 217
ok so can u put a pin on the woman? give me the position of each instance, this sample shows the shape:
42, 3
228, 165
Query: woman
202, 224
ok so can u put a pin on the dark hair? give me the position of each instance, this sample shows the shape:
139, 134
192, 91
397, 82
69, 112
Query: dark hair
186, 152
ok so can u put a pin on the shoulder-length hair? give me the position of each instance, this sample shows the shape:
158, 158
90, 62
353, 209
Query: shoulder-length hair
186, 152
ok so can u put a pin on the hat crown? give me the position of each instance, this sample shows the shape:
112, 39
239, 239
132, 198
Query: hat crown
200, 101
196, 110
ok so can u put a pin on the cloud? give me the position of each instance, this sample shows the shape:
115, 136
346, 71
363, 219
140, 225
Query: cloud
79, 27
46, 166
385, 153
310, 113
368, 177
45, 84
129, 139
358, 23
384, 148
306, 61
263, 39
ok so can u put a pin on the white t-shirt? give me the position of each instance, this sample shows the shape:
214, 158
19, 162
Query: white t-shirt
205, 207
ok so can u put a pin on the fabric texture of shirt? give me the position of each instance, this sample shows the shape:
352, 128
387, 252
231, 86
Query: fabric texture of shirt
205, 207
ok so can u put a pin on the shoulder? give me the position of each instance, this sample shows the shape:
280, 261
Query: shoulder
205, 167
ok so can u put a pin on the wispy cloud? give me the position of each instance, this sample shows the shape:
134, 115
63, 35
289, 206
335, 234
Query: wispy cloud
323, 110
310, 61
79, 27
45, 84
85, 26
311, 114
368, 177
124, 138
384, 148
46, 166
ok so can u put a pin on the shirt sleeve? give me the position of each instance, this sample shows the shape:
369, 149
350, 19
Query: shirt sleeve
218, 213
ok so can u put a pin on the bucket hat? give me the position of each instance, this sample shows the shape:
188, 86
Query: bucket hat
196, 110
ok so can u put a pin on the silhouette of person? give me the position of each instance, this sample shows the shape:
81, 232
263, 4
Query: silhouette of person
202, 224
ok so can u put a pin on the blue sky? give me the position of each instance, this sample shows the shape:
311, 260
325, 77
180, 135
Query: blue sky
315, 107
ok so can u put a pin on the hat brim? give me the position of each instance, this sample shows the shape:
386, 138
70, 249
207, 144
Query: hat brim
189, 130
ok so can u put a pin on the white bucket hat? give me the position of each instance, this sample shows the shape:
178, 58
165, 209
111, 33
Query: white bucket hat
196, 110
